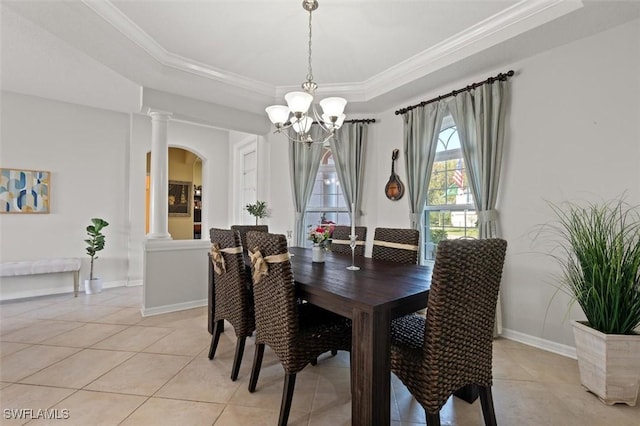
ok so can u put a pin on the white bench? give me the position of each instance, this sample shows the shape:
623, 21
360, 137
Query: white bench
44, 266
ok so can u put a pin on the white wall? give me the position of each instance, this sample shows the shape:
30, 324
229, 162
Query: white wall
98, 165
573, 133
85, 149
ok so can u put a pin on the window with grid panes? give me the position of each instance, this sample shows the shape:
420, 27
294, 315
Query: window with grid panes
327, 202
450, 211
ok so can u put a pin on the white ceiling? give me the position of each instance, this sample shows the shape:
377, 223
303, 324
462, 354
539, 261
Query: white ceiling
246, 54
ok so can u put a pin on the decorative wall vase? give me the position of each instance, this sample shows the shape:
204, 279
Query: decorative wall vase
317, 254
609, 364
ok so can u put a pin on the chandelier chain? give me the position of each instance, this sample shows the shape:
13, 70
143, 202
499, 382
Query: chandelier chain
310, 69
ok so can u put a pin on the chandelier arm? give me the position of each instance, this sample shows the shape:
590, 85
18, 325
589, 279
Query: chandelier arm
319, 121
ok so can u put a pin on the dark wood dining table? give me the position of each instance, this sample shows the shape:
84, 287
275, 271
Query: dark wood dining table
371, 297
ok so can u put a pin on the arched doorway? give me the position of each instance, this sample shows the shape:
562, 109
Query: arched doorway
185, 194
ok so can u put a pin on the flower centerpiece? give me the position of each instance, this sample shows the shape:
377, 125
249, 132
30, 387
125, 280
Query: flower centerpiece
319, 235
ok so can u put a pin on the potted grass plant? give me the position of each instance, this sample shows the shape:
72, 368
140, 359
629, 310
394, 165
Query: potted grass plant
95, 243
600, 260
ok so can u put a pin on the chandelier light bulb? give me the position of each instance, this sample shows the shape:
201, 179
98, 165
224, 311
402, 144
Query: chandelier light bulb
298, 102
278, 114
329, 122
333, 107
302, 125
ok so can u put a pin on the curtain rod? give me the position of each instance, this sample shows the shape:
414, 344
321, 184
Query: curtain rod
361, 120
490, 80
357, 120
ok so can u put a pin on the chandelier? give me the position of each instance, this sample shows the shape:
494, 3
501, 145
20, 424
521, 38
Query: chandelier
300, 112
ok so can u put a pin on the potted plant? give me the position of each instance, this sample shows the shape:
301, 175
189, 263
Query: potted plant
95, 243
601, 272
259, 210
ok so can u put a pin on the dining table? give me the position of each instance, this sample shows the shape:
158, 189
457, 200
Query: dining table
371, 297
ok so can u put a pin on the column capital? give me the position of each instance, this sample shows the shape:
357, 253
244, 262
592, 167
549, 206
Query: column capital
159, 115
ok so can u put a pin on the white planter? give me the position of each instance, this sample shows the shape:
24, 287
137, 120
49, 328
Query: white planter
609, 364
317, 254
93, 286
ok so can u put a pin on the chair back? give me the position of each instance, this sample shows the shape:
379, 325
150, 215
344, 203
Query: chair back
396, 245
461, 314
233, 300
243, 229
274, 296
340, 240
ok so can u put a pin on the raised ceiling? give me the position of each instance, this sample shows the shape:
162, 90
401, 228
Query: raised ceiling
246, 53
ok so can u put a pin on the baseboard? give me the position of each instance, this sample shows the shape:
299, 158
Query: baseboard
147, 312
135, 283
537, 342
18, 288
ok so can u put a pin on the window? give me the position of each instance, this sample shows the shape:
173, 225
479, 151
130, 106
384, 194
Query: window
326, 202
248, 183
450, 210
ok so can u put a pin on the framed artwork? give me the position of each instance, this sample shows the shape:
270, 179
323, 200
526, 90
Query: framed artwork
179, 198
25, 191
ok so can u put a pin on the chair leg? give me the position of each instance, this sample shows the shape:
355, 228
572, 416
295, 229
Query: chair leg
314, 362
287, 397
433, 419
467, 393
218, 328
237, 360
488, 411
255, 370
334, 352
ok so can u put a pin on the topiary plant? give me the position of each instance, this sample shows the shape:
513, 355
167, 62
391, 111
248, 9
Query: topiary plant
259, 210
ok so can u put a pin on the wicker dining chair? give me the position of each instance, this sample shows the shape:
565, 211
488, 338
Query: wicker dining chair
243, 229
452, 347
296, 332
233, 298
396, 245
340, 240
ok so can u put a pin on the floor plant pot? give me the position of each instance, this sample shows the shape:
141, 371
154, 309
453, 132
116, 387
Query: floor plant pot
93, 286
609, 364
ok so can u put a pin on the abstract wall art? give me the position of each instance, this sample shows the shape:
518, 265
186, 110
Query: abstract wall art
24, 191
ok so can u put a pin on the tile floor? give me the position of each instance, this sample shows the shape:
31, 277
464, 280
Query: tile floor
95, 359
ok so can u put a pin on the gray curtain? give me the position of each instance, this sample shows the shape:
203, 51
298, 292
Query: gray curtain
480, 119
304, 161
421, 130
348, 148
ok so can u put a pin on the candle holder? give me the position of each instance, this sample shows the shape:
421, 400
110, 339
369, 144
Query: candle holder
352, 243
289, 238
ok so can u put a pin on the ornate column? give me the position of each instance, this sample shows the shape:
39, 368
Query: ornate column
159, 176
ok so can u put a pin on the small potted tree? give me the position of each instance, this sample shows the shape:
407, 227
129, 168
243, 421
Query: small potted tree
259, 210
95, 243
600, 261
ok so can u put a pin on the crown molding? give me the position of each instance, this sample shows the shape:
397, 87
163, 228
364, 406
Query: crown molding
517, 19
114, 16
